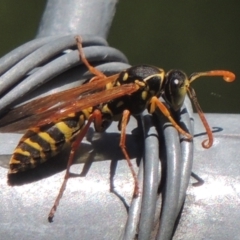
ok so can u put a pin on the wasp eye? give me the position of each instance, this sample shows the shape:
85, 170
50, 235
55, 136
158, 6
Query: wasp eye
176, 81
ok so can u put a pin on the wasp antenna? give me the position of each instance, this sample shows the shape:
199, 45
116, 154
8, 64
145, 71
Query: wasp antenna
227, 76
208, 142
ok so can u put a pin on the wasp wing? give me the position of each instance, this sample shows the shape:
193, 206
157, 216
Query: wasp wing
44, 103
28, 115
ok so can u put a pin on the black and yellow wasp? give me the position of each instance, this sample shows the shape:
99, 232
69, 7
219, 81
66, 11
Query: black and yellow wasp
65, 117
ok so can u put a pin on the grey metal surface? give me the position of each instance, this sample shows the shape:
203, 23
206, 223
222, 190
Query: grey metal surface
89, 211
211, 211
77, 16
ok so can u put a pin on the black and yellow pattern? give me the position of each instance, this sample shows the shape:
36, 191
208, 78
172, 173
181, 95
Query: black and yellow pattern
40, 144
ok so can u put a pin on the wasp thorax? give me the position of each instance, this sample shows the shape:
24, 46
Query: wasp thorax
176, 84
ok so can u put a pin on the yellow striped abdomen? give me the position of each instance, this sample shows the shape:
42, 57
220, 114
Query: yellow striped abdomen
40, 144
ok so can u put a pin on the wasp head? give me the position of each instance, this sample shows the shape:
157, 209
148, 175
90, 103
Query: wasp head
175, 89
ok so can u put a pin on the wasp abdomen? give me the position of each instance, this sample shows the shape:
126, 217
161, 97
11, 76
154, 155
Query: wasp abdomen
40, 144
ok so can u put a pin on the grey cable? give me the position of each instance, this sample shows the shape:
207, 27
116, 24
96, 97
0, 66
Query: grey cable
152, 176
179, 157
52, 69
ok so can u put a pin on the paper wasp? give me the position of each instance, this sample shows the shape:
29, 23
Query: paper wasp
65, 117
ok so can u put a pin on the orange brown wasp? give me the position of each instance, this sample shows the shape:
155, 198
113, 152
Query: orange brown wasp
65, 117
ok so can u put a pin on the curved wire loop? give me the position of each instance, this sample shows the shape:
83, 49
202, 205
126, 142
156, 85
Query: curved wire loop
166, 173
44, 63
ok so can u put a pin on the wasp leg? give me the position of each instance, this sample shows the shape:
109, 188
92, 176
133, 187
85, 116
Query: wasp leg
124, 122
95, 116
155, 102
98, 74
